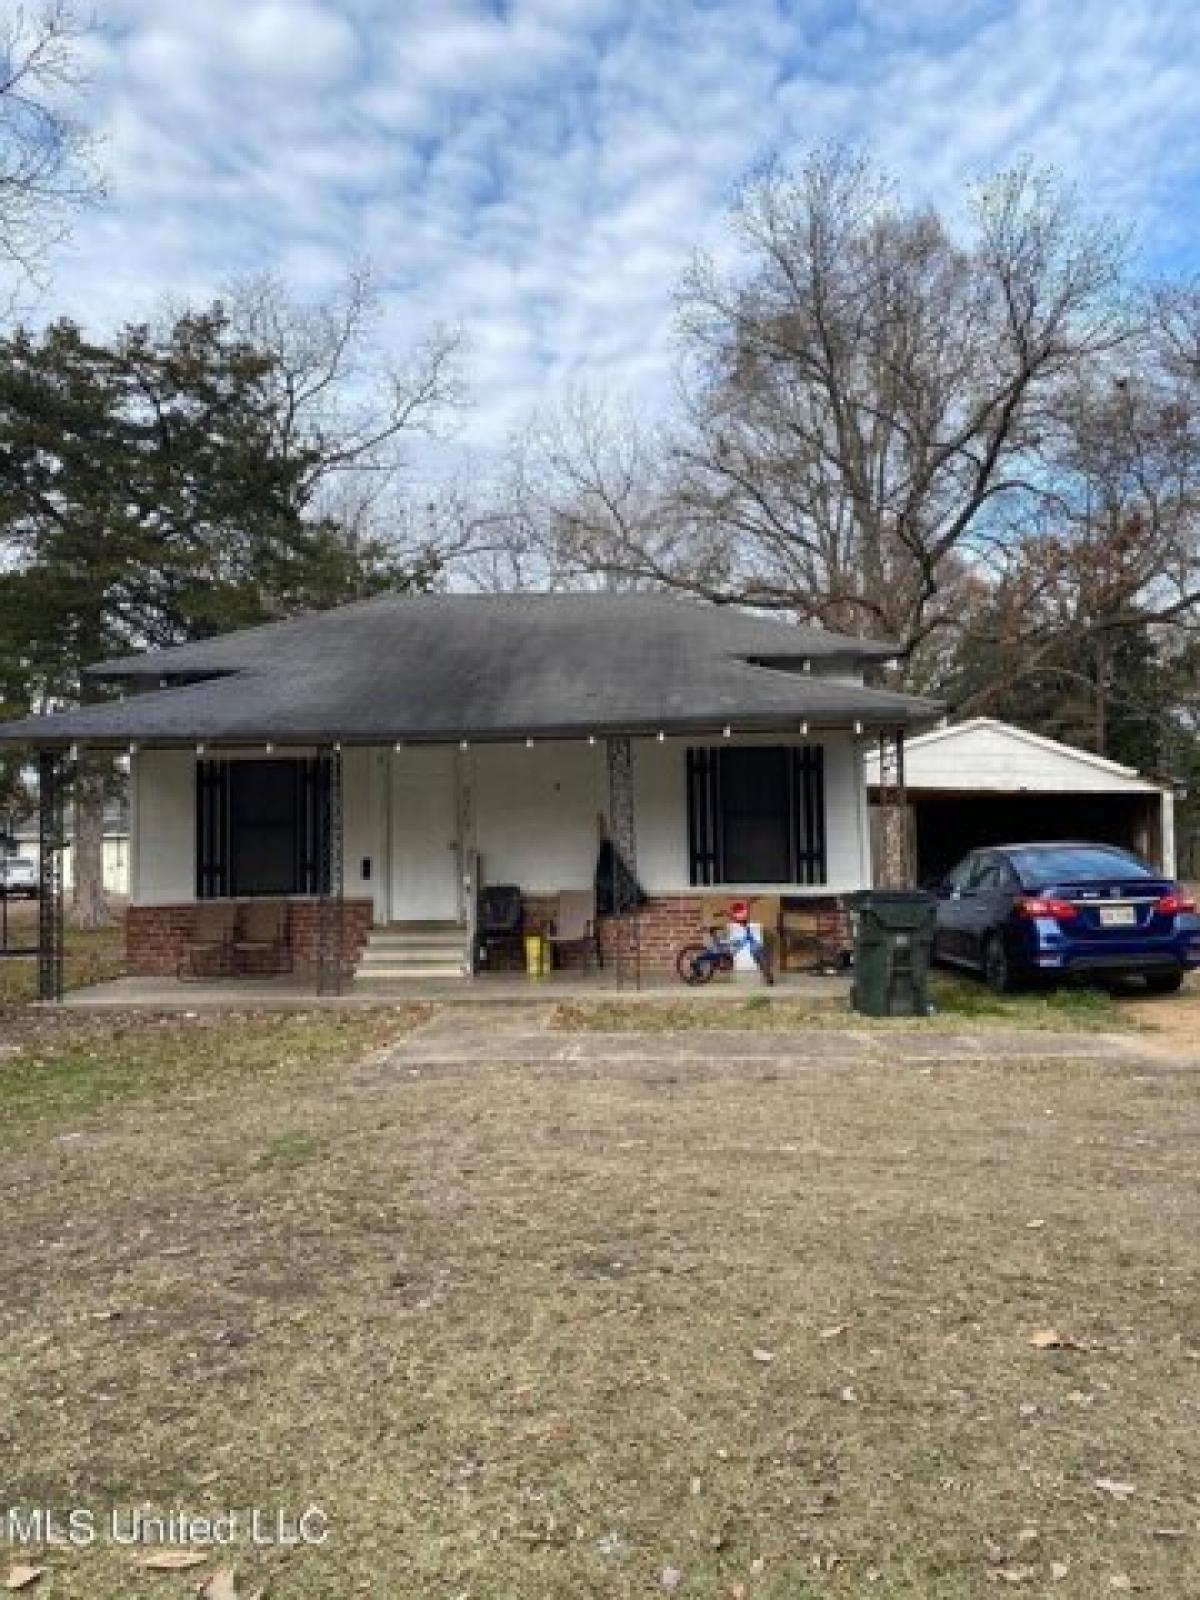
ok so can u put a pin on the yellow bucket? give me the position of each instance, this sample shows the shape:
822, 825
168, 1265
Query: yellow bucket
536, 964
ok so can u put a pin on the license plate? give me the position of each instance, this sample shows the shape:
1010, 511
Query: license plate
1118, 917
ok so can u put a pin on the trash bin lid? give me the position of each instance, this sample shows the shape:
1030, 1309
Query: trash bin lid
897, 909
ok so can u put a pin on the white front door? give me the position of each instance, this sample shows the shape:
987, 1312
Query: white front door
424, 831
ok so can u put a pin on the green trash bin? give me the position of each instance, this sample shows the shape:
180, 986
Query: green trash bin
892, 947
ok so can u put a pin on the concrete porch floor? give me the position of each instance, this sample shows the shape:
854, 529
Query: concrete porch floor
299, 994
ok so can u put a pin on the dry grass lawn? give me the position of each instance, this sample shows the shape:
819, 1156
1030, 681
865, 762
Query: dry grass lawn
91, 956
600, 1330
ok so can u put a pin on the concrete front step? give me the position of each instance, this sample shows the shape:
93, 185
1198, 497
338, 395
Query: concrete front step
450, 959
385, 975
403, 950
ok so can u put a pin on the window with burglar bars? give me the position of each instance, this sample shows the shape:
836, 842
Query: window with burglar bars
756, 814
259, 826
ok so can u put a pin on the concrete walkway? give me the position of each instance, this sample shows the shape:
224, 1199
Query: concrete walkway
524, 1035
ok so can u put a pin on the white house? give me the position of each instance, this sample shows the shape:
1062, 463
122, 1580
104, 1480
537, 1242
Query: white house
378, 763
982, 782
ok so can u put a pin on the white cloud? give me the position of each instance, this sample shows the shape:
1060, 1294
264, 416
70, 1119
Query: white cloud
540, 171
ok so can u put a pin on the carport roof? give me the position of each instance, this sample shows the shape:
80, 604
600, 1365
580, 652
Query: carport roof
440, 667
985, 754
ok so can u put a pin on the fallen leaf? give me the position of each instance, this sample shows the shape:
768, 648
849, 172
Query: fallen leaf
173, 1560
1115, 1487
221, 1586
21, 1577
1051, 1339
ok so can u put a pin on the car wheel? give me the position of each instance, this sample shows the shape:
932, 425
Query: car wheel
1164, 982
997, 969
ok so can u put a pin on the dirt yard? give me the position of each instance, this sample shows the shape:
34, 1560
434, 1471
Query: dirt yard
539, 1315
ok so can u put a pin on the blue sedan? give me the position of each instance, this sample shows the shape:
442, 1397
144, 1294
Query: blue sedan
1019, 911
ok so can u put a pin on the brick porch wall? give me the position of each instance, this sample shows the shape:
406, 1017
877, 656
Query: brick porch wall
666, 921
155, 936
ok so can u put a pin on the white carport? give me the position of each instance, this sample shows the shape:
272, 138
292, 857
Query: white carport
986, 782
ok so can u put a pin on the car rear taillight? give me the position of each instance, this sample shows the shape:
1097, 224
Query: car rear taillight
1171, 904
1036, 906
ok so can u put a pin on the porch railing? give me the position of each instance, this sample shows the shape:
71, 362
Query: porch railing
470, 883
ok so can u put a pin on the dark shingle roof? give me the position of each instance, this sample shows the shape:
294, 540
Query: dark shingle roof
487, 666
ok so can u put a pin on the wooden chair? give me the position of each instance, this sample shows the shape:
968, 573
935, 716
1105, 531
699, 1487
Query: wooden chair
208, 950
813, 935
262, 945
574, 927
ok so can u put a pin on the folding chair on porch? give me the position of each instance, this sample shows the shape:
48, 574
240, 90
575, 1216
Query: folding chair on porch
574, 928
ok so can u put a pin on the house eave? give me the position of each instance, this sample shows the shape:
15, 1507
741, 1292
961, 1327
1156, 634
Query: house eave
702, 726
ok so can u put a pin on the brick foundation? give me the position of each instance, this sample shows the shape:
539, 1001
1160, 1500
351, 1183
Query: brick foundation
155, 936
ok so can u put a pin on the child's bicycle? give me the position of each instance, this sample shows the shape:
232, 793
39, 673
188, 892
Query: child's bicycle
699, 963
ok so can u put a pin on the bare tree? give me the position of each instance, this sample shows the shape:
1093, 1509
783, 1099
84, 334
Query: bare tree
591, 500
1113, 553
345, 404
864, 397
46, 167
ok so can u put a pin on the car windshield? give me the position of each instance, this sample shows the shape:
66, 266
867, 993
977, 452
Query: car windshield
1078, 863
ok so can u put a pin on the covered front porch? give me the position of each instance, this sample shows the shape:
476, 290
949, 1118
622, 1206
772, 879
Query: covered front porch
366, 847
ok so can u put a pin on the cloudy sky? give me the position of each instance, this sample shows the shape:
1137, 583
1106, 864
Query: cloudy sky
539, 171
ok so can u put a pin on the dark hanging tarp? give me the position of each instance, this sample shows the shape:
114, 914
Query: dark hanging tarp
617, 890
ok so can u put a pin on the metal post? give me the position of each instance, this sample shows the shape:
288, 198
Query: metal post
330, 877
50, 888
623, 831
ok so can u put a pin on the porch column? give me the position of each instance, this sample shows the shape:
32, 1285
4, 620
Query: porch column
51, 776
622, 823
896, 867
330, 876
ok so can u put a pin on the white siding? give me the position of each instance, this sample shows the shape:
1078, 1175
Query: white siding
993, 756
364, 847
533, 815
164, 816
536, 813
662, 814
164, 823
